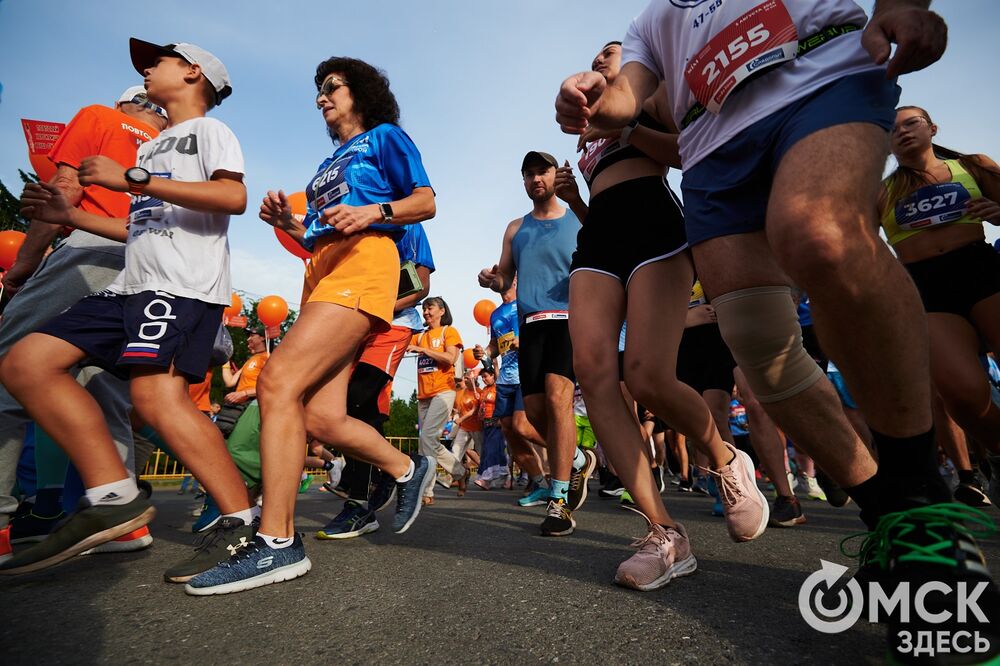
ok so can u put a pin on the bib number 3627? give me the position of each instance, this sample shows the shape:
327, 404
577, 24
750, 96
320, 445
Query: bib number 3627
763, 37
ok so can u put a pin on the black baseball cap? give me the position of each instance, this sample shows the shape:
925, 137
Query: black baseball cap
537, 156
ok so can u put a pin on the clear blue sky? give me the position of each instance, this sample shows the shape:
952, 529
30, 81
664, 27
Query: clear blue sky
475, 81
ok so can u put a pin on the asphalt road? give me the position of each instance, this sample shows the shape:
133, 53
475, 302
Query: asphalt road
471, 582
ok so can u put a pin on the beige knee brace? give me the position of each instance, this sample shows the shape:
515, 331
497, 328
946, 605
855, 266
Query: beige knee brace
761, 328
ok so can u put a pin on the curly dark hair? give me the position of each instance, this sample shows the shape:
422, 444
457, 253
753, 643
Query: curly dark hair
369, 86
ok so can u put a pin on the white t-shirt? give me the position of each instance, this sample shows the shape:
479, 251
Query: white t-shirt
173, 249
669, 34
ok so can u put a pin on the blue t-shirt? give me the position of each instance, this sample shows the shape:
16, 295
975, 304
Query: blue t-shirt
543, 250
376, 166
413, 246
804, 311
738, 423
504, 327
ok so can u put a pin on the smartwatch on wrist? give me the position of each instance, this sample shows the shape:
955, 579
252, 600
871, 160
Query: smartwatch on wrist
386, 211
137, 179
627, 132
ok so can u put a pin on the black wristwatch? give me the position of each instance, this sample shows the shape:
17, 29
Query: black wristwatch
137, 179
386, 211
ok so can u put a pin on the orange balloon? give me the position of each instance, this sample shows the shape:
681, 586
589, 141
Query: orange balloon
10, 243
235, 308
470, 359
482, 311
297, 201
272, 310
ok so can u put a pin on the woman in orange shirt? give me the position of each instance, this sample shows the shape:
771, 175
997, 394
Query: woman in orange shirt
438, 347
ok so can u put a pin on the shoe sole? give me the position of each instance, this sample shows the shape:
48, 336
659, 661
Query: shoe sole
428, 481
586, 472
798, 520
682, 568
206, 527
88, 543
531, 504
279, 575
572, 527
35, 538
138, 542
766, 511
332, 536
610, 494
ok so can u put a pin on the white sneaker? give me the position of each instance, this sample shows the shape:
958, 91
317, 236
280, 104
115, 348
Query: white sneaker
335, 472
813, 491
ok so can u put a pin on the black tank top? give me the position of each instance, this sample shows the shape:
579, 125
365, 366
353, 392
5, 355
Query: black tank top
601, 154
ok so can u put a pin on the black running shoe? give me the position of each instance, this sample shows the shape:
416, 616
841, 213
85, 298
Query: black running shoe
970, 494
835, 495
658, 478
932, 544
383, 491
578, 481
613, 489
87, 527
559, 519
786, 512
685, 485
32, 528
217, 545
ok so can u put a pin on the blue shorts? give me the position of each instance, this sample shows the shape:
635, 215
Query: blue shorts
509, 400
148, 328
727, 192
838, 383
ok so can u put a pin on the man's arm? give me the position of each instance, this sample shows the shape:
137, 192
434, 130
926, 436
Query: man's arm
41, 234
920, 35
500, 277
586, 98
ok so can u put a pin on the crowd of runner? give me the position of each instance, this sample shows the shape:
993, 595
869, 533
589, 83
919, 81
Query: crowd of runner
645, 344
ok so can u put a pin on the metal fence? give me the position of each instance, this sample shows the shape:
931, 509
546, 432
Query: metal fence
161, 467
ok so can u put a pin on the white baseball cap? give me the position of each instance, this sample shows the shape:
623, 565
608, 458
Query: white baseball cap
130, 94
144, 55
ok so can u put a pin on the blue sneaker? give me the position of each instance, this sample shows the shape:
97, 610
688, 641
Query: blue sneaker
536, 497
254, 565
713, 490
354, 520
409, 494
210, 514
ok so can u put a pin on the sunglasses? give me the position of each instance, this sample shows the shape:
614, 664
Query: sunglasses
328, 88
144, 102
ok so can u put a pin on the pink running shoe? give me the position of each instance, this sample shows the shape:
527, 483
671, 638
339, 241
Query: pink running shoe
664, 554
744, 506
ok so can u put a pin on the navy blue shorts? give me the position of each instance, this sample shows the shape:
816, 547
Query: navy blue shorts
509, 400
148, 328
727, 192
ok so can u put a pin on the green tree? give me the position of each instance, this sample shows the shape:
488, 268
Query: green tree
10, 205
402, 417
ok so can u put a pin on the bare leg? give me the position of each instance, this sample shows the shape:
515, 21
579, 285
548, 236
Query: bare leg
764, 437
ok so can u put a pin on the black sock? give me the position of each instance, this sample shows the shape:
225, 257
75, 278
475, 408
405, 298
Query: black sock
907, 468
866, 496
967, 476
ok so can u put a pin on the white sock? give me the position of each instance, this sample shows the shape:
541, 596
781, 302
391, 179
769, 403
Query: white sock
277, 542
409, 473
246, 515
579, 460
117, 492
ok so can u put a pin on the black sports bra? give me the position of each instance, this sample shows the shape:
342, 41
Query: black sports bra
601, 154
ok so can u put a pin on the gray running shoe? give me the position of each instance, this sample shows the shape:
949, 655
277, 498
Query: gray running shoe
217, 545
87, 527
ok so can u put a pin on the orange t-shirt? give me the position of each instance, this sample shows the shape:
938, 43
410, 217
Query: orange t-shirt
434, 377
200, 393
98, 130
466, 400
487, 402
251, 371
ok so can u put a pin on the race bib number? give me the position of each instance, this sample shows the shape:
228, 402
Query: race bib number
330, 186
425, 364
145, 208
932, 205
763, 37
505, 342
595, 152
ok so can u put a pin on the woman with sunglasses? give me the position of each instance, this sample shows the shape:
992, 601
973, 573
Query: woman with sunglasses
373, 182
932, 209
632, 262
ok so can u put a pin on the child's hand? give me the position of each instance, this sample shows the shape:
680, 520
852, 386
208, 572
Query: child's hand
45, 203
103, 171
351, 219
276, 211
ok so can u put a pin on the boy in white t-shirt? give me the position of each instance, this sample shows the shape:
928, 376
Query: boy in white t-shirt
156, 323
